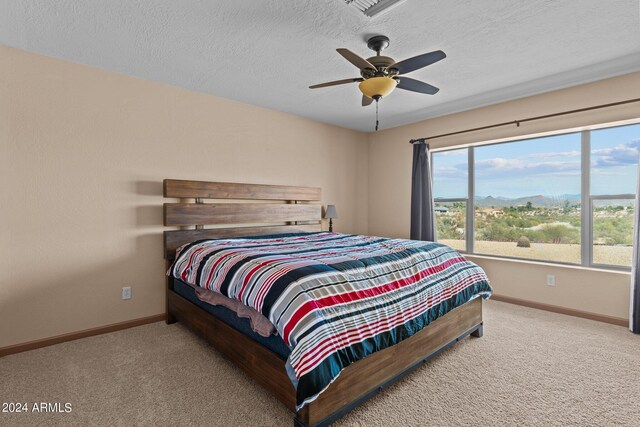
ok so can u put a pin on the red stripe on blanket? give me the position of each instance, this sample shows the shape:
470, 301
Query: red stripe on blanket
309, 306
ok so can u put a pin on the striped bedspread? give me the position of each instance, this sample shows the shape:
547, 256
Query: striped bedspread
334, 298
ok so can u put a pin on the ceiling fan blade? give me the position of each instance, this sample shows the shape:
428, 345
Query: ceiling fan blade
416, 86
337, 82
417, 62
356, 60
366, 100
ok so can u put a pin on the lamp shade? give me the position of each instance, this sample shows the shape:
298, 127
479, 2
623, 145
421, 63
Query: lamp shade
331, 212
378, 86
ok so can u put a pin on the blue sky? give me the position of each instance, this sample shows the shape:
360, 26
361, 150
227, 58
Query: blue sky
549, 166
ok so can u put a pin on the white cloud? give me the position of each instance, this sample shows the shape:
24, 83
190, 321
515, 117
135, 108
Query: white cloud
541, 164
498, 165
620, 155
555, 154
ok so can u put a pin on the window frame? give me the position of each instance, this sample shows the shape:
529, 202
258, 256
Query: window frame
586, 198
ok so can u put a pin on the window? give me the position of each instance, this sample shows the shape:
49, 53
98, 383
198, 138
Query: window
612, 231
529, 191
451, 196
614, 169
451, 223
525, 198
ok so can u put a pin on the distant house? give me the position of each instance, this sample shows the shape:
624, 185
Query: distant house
441, 209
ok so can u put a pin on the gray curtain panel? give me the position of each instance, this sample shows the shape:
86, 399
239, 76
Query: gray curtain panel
423, 224
634, 313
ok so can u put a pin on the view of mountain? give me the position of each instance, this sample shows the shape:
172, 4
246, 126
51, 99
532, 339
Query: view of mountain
536, 201
542, 201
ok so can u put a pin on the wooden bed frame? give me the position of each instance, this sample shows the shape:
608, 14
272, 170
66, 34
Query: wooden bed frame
245, 211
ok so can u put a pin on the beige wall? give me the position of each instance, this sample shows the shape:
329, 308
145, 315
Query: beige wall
83, 155
390, 184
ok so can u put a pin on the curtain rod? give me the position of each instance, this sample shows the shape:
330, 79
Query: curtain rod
530, 119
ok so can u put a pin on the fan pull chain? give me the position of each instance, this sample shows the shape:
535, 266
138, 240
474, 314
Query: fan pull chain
376, 115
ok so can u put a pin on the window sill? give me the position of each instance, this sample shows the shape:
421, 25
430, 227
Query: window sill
549, 264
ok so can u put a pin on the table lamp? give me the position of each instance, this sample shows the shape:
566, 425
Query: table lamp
331, 213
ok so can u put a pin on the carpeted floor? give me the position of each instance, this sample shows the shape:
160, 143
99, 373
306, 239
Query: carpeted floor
530, 368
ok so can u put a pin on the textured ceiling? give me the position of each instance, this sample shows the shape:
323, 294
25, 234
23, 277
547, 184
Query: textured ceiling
267, 53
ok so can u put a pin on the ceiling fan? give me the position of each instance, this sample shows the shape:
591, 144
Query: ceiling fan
381, 74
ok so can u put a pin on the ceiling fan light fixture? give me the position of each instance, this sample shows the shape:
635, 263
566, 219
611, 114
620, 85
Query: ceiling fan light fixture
377, 86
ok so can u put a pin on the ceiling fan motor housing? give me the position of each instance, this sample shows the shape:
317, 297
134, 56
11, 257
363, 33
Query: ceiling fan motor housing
383, 67
382, 63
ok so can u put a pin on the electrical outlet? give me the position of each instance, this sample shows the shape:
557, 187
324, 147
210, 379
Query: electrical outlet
126, 292
551, 280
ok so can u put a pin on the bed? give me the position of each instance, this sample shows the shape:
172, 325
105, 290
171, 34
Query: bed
260, 219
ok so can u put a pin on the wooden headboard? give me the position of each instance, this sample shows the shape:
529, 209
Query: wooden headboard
255, 210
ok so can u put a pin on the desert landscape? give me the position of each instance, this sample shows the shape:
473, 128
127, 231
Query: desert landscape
540, 229
611, 255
